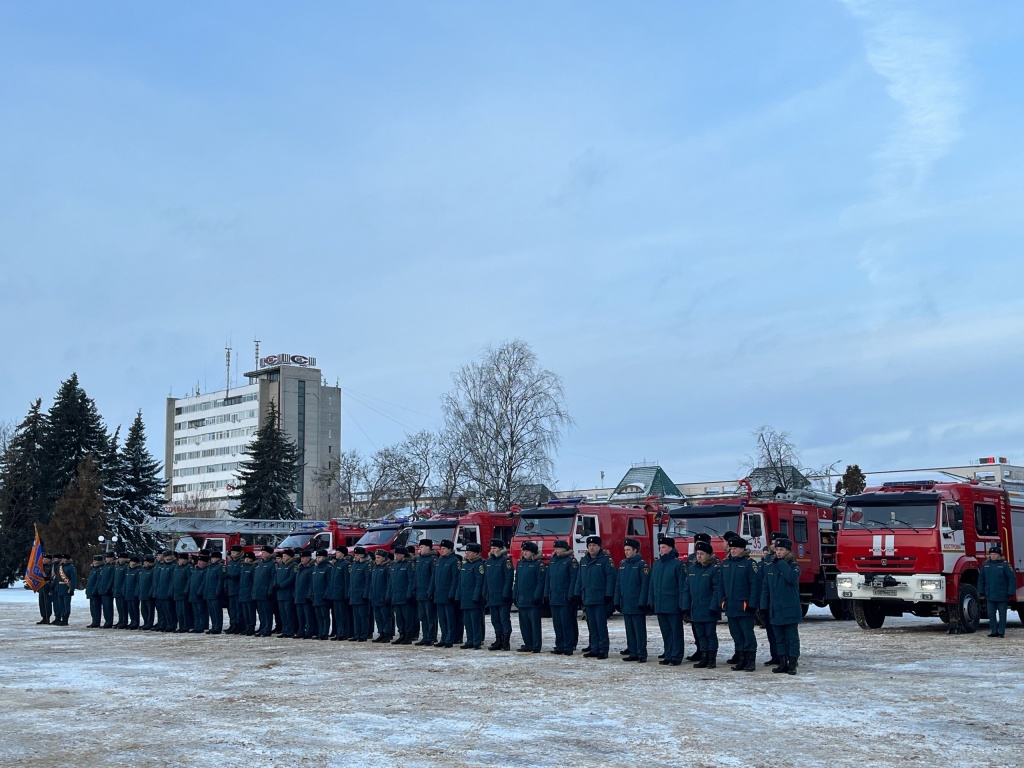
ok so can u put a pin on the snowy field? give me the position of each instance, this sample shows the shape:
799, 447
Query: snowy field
906, 695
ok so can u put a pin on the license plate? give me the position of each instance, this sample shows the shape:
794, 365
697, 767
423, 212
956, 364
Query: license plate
885, 592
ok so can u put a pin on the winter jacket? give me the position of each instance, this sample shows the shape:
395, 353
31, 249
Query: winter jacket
106, 584
358, 582
498, 576
131, 583
163, 581
179, 577
144, 588
997, 581
741, 584
303, 582
284, 580
446, 579
471, 584
119, 573
213, 584
263, 575
92, 583
632, 585
424, 575
319, 582
337, 587
596, 582
667, 579
402, 583
380, 577
561, 578
246, 572
232, 575
528, 589
780, 591
702, 591
196, 582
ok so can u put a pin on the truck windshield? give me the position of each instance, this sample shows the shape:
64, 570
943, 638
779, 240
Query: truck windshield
296, 541
714, 526
892, 516
380, 536
545, 526
435, 534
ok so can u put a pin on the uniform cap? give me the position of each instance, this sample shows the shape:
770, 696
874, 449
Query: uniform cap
447, 544
703, 546
400, 550
267, 548
321, 553
777, 535
530, 546
561, 544
305, 553
290, 552
342, 549
134, 559
380, 553
738, 541
784, 543
668, 541
997, 548
111, 555
249, 556
426, 543
94, 557
215, 555
359, 551
47, 556
728, 535
631, 543
149, 559
167, 552
702, 537
182, 556
204, 558
474, 548
594, 540
122, 554
498, 543
236, 547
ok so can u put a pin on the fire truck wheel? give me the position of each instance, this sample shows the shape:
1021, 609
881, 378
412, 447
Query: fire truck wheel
869, 615
840, 610
967, 611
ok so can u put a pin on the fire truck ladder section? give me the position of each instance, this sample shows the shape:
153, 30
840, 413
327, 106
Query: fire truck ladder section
209, 525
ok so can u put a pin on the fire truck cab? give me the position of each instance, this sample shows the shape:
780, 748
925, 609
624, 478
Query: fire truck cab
916, 546
324, 534
465, 527
574, 521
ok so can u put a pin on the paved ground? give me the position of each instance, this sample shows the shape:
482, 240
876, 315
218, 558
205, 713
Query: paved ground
908, 695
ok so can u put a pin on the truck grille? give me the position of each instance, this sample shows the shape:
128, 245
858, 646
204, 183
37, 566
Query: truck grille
883, 563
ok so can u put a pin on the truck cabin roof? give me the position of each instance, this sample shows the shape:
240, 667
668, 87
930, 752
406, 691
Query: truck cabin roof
889, 498
706, 511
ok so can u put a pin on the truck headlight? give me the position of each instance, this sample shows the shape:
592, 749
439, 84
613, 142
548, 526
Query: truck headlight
931, 584
844, 583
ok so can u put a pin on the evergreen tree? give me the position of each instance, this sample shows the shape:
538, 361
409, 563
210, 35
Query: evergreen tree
22, 493
74, 429
853, 481
78, 518
269, 475
139, 491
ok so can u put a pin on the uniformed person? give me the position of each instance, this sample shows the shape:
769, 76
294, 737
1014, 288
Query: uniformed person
595, 588
232, 577
337, 594
769, 630
319, 581
131, 590
64, 590
302, 597
178, 573
380, 572
120, 603
780, 595
444, 589
471, 597
213, 593
691, 558
163, 584
702, 601
402, 596
246, 605
498, 577
147, 605
196, 596
997, 583
528, 596
263, 576
667, 579
424, 577
741, 587
284, 583
106, 588
46, 591
92, 592
359, 596
560, 592
632, 586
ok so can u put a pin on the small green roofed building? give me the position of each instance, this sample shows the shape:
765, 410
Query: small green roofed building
641, 481
784, 476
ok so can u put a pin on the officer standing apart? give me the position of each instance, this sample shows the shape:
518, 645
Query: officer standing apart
997, 583
64, 590
667, 583
444, 588
780, 595
631, 597
498, 576
560, 592
702, 602
596, 590
528, 595
46, 591
741, 585
424, 576
471, 597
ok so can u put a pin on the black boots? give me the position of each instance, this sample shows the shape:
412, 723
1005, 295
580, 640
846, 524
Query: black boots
783, 666
745, 663
792, 665
703, 660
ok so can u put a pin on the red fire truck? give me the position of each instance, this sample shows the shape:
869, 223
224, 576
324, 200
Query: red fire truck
574, 521
191, 534
464, 527
916, 546
325, 534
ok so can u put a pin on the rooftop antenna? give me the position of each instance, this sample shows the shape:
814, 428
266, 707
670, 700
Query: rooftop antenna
257, 342
227, 375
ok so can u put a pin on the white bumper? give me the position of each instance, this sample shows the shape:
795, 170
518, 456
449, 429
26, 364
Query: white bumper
914, 588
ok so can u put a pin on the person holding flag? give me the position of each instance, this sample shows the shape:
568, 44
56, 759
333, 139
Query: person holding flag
64, 589
37, 575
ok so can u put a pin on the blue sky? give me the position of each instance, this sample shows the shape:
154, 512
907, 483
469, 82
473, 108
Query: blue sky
704, 216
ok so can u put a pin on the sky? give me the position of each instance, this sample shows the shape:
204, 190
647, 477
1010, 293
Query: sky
704, 217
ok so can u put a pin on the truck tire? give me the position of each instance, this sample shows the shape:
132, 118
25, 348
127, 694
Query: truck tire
868, 614
841, 610
966, 614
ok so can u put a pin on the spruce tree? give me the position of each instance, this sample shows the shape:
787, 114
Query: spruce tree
269, 476
23, 493
140, 491
74, 429
78, 518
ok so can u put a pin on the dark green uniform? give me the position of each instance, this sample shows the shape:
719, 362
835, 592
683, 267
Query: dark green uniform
741, 587
997, 583
667, 579
471, 601
402, 595
498, 577
595, 588
246, 605
302, 596
213, 593
445, 586
780, 596
319, 581
632, 587
702, 599
560, 592
528, 595
359, 599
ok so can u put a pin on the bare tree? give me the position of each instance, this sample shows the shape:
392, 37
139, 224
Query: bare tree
194, 504
414, 465
451, 459
510, 414
377, 478
338, 484
775, 462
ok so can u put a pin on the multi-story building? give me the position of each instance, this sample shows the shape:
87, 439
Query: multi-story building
208, 434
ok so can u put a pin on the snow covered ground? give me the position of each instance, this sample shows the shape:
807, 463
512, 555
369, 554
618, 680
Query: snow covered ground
908, 694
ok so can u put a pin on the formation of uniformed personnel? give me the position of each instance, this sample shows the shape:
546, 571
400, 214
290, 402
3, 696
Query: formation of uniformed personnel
632, 586
997, 583
560, 592
528, 596
780, 598
595, 588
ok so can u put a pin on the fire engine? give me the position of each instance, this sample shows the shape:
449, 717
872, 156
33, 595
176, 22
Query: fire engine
325, 534
915, 547
392, 531
464, 527
219, 533
574, 521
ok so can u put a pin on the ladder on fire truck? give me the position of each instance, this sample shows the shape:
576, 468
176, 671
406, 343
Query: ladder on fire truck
207, 525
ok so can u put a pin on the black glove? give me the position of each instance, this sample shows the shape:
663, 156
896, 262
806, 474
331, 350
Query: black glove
716, 615
576, 601
608, 601
751, 609
686, 616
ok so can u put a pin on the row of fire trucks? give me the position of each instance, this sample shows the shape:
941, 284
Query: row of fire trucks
902, 547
